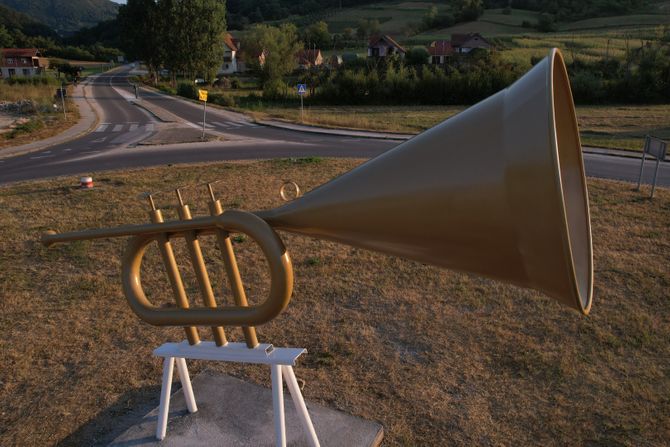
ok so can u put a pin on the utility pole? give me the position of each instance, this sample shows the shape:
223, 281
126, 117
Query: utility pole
62, 98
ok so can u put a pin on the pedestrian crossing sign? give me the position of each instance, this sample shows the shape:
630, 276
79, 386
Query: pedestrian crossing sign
302, 89
202, 95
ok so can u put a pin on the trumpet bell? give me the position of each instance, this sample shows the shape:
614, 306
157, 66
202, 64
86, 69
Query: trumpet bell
498, 190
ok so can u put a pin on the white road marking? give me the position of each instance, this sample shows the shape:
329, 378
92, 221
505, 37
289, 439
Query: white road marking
195, 126
40, 156
46, 152
133, 127
219, 124
101, 128
207, 126
67, 150
149, 127
99, 140
234, 124
91, 152
117, 128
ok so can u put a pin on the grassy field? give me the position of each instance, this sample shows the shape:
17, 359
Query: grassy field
619, 127
587, 39
438, 357
43, 124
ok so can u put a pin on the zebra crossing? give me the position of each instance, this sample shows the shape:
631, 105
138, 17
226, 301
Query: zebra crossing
230, 124
125, 127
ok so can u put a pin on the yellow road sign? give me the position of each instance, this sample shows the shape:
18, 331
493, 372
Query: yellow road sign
202, 95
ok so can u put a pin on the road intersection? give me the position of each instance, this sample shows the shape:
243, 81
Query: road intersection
115, 142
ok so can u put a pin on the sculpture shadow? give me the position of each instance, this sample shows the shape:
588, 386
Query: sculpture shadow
112, 421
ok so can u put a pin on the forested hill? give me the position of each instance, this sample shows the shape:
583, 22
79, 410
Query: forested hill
14, 21
65, 16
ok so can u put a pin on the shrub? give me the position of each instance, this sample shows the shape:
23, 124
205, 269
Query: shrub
26, 128
222, 99
187, 90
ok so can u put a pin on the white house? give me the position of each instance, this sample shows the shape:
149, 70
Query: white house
230, 64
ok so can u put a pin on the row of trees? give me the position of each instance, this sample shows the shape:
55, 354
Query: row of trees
183, 36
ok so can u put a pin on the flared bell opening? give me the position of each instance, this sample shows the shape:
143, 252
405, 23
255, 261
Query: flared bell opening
571, 181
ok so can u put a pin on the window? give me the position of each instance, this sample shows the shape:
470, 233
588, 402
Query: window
375, 52
11, 72
26, 72
10, 61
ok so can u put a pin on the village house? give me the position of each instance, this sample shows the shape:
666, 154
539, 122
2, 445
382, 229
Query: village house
334, 61
383, 46
230, 63
309, 58
21, 62
439, 51
464, 43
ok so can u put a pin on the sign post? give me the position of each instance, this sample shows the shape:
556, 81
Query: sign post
202, 96
657, 148
302, 89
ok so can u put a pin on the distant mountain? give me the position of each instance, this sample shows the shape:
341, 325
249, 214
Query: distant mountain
16, 21
66, 16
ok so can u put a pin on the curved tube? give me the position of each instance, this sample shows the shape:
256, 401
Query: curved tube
281, 276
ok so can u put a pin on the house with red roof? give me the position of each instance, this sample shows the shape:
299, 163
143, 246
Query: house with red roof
21, 62
231, 47
439, 51
383, 46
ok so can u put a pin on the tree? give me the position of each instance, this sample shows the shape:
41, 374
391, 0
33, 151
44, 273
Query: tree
317, 35
192, 34
468, 10
6, 39
141, 37
279, 45
417, 56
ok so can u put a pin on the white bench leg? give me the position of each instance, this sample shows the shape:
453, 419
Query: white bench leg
186, 385
300, 407
164, 407
278, 404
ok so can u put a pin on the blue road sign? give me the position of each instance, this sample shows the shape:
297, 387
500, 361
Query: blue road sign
302, 89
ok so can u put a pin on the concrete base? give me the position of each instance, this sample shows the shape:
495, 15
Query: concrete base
232, 412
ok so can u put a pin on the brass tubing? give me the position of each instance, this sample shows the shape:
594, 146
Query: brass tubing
172, 271
171, 228
200, 269
281, 280
232, 270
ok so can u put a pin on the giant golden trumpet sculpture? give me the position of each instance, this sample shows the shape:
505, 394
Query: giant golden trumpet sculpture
498, 190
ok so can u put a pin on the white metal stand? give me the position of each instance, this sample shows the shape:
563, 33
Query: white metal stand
281, 361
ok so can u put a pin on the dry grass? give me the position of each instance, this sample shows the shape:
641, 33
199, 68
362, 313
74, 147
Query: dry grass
621, 127
439, 358
45, 124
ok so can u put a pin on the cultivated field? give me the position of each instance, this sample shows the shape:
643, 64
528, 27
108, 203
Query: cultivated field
438, 357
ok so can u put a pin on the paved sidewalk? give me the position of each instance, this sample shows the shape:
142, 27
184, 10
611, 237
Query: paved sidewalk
88, 120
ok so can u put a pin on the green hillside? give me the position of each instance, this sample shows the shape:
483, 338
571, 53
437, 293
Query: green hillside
15, 21
65, 16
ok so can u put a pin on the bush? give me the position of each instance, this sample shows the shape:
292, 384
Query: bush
222, 99
187, 90
26, 128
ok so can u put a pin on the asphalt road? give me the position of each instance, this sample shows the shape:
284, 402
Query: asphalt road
113, 144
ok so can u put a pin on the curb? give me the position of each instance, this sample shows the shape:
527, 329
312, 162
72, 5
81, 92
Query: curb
352, 133
355, 133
